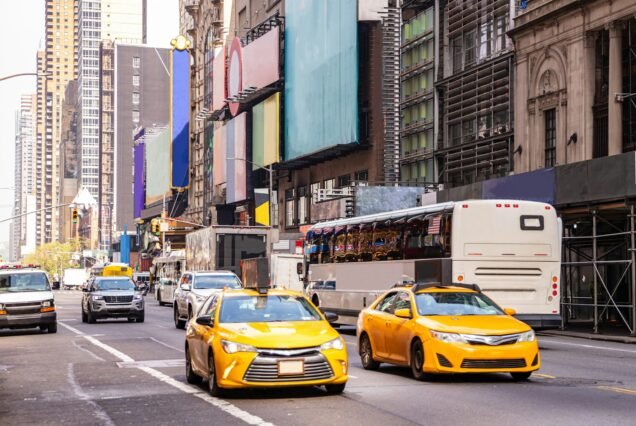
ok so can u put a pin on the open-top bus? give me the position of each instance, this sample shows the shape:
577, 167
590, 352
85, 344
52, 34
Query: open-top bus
511, 249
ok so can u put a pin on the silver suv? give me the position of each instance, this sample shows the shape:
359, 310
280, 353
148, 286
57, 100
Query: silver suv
26, 299
112, 297
195, 287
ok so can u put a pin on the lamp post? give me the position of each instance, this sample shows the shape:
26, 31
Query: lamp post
270, 171
21, 74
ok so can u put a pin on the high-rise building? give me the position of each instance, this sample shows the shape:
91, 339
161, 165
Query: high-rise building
99, 20
69, 160
135, 83
23, 236
59, 62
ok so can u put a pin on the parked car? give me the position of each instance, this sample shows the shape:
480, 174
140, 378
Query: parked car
195, 287
112, 297
26, 299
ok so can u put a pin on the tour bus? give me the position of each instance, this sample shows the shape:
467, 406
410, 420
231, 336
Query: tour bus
165, 272
511, 249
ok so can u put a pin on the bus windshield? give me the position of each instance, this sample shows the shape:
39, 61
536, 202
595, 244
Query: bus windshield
455, 304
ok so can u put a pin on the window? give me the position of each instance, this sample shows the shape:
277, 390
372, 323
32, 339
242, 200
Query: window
303, 216
329, 184
402, 301
362, 176
386, 305
135, 117
135, 98
344, 180
136, 62
550, 137
469, 48
135, 80
289, 208
315, 188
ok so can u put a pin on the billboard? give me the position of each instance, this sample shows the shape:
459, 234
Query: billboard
180, 117
157, 155
139, 192
266, 132
236, 155
218, 79
261, 60
321, 78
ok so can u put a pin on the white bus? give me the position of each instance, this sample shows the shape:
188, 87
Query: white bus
510, 249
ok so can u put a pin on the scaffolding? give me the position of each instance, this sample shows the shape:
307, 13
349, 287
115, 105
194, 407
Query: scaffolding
599, 267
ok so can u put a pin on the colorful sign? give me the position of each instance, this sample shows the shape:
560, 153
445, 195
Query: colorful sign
180, 118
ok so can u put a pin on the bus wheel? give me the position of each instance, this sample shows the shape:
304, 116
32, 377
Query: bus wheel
366, 354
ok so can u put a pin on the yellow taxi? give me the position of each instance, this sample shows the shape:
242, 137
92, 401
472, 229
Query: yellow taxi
445, 329
256, 338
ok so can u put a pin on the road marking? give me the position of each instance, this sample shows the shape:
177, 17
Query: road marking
219, 403
77, 390
97, 357
544, 376
589, 346
353, 377
155, 363
618, 390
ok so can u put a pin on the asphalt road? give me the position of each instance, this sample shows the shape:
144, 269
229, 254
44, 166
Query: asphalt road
118, 373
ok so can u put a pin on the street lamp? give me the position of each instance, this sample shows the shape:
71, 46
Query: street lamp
269, 170
46, 74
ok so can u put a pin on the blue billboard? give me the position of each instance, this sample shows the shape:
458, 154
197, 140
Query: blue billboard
180, 117
321, 75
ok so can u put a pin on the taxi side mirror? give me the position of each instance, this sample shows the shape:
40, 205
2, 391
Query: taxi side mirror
509, 311
205, 320
403, 313
331, 317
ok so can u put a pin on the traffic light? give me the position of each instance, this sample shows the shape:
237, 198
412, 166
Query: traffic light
154, 226
74, 215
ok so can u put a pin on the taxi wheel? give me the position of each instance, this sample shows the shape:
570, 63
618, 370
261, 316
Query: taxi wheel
417, 360
213, 386
191, 376
366, 354
521, 376
335, 389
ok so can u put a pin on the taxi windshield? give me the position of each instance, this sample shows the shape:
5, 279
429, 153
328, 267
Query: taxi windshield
455, 304
216, 282
270, 308
123, 284
16, 283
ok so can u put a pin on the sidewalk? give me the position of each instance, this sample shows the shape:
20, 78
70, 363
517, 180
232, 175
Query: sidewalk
625, 338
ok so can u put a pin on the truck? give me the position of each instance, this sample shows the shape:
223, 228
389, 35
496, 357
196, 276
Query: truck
221, 248
280, 270
74, 278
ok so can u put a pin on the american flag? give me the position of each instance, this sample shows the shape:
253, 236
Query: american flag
434, 225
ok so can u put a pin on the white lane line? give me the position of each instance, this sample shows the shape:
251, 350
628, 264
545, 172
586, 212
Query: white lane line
77, 390
219, 403
97, 357
586, 346
353, 377
167, 345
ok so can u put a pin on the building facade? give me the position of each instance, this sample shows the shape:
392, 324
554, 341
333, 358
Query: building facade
69, 161
99, 20
59, 61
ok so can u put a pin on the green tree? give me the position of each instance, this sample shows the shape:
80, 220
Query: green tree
54, 257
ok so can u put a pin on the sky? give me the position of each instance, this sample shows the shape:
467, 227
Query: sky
22, 33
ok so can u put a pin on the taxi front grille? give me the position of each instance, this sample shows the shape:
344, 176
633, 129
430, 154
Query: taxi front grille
265, 369
118, 299
494, 363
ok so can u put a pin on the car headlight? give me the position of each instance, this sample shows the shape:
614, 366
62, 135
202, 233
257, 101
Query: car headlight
233, 347
528, 336
98, 297
45, 304
337, 344
448, 337
138, 297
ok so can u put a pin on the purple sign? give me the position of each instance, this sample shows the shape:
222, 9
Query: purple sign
139, 187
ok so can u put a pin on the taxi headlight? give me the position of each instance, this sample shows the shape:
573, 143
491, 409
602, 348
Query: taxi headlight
448, 337
528, 336
233, 347
98, 297
45, 304
336, 344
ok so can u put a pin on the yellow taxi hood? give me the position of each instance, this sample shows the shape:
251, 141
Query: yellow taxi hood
280, 335
474, 324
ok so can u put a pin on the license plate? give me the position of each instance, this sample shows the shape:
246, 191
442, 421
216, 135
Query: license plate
290, 368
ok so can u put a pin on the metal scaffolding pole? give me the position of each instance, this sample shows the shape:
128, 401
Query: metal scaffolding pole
632, 250
595, 295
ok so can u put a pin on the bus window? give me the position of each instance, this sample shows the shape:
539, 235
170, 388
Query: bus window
324, 255
415, 236
365, 244
379, 242
351, 251
339, 245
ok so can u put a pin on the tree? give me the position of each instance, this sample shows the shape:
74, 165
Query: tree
54, 257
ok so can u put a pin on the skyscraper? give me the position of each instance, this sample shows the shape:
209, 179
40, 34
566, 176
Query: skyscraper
99, 20
59, 61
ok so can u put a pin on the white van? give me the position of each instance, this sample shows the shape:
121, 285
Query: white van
26, 299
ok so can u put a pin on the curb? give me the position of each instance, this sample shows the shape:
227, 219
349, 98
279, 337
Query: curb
590, 336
